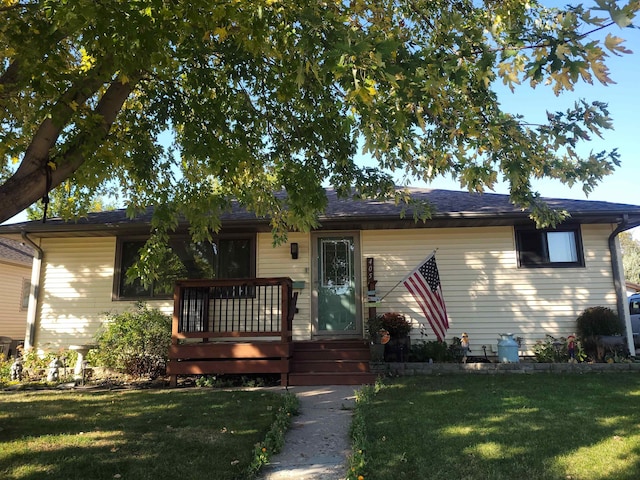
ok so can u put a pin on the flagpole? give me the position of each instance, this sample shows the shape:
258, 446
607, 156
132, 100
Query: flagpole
427, 258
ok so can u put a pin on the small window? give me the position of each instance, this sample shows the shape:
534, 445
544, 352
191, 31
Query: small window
549, 247
222, 258
26, 293
634, 307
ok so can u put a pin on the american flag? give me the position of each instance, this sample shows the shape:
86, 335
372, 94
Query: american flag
424, 284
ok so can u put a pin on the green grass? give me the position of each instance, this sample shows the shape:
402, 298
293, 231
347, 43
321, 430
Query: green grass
569, 427
136, 434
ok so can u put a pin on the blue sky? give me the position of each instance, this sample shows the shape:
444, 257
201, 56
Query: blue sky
623, 99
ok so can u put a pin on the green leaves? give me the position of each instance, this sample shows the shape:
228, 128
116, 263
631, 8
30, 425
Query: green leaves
243, 99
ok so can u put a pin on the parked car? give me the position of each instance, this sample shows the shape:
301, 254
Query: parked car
634, 311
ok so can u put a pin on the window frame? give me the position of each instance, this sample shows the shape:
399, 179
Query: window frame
521, 231
118, 271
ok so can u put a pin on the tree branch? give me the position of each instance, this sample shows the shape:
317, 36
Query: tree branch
28, 183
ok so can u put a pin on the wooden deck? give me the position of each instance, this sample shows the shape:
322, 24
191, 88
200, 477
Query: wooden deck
243, 326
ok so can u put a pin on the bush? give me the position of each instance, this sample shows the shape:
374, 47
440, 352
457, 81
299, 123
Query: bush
374, 325
596, 321
556, 350
135, 342
396, 324
433, 350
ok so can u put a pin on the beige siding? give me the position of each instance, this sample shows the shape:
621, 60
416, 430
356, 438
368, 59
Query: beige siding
75, 294
277, 262
485, 292
13, 318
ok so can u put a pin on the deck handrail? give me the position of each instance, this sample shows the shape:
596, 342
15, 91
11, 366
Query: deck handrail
238, 307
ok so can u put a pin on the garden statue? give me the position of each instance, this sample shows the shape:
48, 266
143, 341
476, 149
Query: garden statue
54, 370
464, 345
16, 369
571, 348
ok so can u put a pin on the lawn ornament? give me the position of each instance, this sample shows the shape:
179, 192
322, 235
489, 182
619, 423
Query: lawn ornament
16, 369
464, 345
54, 370
571, 348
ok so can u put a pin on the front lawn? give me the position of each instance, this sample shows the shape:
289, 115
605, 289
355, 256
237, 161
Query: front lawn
564, 427
138, 434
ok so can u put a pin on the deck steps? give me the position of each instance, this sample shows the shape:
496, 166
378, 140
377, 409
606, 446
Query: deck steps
330, 362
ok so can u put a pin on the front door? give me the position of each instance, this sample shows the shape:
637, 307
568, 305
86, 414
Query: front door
336, 285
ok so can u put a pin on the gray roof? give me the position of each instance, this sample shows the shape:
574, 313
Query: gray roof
12, 251
451, 208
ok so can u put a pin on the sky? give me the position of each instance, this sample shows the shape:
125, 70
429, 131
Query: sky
623, 99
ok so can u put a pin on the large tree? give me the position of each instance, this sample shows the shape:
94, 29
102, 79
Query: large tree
630, 257
185, 105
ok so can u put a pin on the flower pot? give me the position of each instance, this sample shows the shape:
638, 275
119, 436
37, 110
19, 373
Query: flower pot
397, 350
377, 352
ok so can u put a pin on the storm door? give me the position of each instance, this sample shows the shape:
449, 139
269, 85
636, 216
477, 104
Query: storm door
337, 285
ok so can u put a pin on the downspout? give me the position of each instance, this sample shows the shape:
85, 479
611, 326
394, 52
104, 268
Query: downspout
30, 334
618, 276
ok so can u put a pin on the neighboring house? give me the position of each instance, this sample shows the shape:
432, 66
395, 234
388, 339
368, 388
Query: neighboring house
15, 275
498, 272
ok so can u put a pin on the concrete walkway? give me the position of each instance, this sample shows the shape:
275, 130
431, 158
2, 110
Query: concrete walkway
317, 445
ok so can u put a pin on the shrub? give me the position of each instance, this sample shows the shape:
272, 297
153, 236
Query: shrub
596, 321
556, 350
433, 350
5, 370
374, 325
36, 365
135, 342
396, 324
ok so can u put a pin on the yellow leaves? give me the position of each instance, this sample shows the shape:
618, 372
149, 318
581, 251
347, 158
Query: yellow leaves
509, 74
562, 50
87, 62
51, 165
366, 93
613, 44
561, 81
221, 32
595, 58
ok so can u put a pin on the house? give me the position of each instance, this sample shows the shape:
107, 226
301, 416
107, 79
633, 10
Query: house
498, 272
15, 276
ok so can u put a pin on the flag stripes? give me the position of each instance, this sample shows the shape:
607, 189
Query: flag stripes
424, 285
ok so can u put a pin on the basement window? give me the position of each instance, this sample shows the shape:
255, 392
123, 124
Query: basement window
560, 247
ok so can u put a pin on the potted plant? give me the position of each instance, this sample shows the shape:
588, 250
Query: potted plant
377, 338
396, 324
398, 327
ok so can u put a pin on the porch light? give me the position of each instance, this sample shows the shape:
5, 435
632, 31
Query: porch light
294, 251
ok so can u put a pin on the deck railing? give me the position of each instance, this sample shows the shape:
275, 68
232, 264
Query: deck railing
255, 307
257, 313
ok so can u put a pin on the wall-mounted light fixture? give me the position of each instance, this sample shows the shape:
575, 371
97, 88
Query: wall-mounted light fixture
294, 251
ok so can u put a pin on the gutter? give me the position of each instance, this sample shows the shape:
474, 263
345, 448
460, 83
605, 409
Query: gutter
618, 278
34, 290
